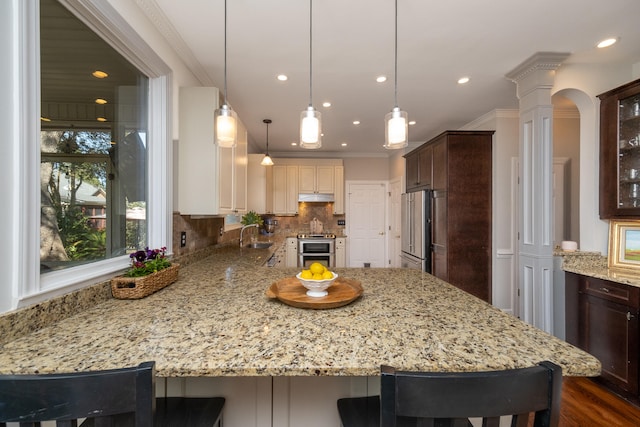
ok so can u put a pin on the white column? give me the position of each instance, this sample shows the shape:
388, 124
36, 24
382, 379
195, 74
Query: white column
534, 79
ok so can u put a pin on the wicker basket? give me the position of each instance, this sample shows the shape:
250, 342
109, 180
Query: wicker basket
139, 287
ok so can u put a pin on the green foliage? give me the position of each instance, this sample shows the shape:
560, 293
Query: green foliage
251, 218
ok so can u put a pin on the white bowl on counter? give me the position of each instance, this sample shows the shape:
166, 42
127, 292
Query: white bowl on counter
317, 288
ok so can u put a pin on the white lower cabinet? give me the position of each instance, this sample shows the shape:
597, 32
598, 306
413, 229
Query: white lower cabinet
291, 252
341, 252
274, 401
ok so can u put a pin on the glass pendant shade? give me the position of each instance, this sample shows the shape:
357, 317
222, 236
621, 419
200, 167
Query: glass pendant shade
310, 128
226, 127
266, 160
396, 129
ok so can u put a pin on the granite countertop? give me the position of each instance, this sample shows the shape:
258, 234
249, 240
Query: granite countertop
216, 321
593, 264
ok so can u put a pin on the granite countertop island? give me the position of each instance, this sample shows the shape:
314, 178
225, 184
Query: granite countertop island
217, 321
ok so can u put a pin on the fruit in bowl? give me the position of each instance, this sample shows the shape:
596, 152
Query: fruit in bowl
316, 279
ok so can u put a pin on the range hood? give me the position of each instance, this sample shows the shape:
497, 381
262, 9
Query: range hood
316, 197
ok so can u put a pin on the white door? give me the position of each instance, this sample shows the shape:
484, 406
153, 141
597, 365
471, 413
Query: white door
395, 222
366, 211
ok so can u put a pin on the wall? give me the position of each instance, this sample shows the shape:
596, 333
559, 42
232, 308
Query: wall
366, 168
566, 143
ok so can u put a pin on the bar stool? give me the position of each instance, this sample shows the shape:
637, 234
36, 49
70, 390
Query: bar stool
117, 397
450, 399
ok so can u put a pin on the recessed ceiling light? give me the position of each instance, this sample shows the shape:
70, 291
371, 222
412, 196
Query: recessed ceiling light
381, 79
99, 74
101, 119
412, 122
607, 42
356, 122
344, 144
326, 104
101, 101
463, 80
282, 77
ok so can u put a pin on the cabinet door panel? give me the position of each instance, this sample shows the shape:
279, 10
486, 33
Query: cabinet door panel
610, 333
279, 189
307, 179
411, 170
325, 179
620, 152
425, 159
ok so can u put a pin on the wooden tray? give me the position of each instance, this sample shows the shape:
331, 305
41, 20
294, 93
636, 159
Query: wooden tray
290, 291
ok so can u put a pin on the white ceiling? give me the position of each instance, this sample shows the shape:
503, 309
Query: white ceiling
353, 43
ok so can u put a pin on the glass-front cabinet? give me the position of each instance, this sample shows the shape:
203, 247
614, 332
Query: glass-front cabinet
620, 152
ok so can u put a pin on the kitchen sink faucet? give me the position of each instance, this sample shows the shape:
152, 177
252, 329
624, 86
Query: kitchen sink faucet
245, 227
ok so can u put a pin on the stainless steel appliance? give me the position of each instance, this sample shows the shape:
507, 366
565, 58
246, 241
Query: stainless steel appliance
415, 231
316, 248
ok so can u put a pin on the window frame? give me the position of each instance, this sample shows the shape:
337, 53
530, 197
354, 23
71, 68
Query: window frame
31, 287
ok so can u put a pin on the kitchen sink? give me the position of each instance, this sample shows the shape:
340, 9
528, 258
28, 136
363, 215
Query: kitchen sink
260, 245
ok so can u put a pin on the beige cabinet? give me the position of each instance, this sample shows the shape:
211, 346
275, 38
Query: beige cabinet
291, 252
211, 180
257, 184
341, 252
316, 179
338, 192
289, 177
284, 189
233, 164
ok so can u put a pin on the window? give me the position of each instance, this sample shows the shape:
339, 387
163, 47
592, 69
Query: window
81, 165
93, 156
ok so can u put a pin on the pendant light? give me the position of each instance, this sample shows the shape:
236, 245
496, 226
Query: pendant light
266, 161
310, 122
395, 128
225, 118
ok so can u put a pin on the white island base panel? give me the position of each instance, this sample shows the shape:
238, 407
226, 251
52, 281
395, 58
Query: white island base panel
274, 401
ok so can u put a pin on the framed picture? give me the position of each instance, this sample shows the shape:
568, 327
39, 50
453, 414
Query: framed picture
624, 245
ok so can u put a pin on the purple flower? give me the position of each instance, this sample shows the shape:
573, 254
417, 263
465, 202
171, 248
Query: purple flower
139, 256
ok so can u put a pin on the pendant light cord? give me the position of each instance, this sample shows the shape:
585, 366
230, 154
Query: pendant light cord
225, 51
311, 53
395, 70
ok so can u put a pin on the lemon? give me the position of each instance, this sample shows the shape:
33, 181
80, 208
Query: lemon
317, 276
306, 274
317, 268
327, 275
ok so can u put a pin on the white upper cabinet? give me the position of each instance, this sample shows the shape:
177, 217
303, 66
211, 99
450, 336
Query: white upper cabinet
211, 180
284, 190
316, 179
290, 177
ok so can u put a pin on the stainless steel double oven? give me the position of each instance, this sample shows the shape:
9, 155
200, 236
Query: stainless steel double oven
316, 248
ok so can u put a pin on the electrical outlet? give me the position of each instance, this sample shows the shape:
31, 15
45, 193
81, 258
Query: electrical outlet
183, 239
221, 231
341, 222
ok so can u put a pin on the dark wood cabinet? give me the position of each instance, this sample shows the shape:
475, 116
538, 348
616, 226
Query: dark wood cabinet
620, 152
602, 319
418, 169
460, 189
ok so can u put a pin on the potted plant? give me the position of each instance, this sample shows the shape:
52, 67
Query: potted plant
150, 271
251, 218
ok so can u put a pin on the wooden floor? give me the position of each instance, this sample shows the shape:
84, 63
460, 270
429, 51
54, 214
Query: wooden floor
587, 404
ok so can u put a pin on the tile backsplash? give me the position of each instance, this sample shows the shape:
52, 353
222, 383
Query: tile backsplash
306, 212
205, 232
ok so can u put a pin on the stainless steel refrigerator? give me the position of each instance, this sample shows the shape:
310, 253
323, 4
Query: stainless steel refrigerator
415, 231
